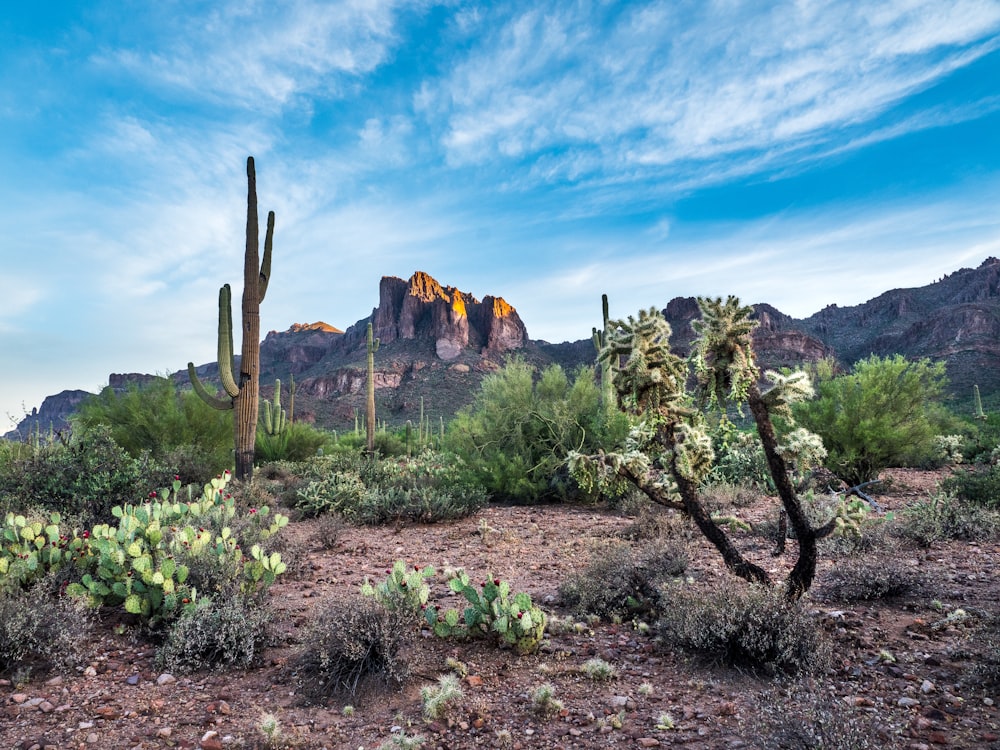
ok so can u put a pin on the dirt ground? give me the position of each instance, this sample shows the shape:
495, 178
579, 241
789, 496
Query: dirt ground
901, 664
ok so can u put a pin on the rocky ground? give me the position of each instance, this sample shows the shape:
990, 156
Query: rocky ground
901, 675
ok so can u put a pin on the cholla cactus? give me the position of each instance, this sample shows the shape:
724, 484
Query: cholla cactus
669, 453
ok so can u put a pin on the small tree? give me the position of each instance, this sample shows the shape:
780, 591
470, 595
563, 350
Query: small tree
882, 414
669, 453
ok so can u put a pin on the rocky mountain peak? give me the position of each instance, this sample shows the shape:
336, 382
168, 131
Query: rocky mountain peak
454, 320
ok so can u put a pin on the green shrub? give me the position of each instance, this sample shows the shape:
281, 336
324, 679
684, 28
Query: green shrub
169, 425
352, 644
425, 488
942, 517
739, 459
216, 634
620, 582
884, 413
85, 478
517, 434
297, 442
745, 626
979, 485
40, 628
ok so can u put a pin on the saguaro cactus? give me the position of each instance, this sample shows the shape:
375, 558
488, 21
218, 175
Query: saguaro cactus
243, 396
372, 348
600, 338
274, 416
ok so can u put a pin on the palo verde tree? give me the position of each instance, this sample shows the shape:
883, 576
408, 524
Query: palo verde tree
242, 396
669, 452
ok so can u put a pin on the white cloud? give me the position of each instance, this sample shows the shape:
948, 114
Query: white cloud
666, 85
259, 55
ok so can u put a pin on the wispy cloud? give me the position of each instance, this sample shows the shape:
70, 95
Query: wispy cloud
658, 85
259, 55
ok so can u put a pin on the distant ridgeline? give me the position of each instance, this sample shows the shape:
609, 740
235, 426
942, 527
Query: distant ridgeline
439, 342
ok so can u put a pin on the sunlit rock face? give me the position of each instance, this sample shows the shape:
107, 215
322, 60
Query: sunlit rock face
421, 308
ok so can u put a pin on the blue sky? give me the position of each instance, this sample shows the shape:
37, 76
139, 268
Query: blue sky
799, 153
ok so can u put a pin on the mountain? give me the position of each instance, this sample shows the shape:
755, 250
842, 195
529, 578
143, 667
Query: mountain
437, 343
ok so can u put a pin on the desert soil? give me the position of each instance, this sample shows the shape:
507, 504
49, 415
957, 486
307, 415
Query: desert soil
924, 697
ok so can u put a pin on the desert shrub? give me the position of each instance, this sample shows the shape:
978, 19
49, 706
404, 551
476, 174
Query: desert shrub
518, 432
943, 516
168, 424
884, 413
820, 720
623, 582
742, 625
739, 459
864, 579
224, 633
40, 628
352, 644
85, 478
297, 442
424, 488
979, 485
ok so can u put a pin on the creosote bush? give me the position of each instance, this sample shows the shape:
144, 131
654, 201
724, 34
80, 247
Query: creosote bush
622, 582
351, 645
224, 634
745, 626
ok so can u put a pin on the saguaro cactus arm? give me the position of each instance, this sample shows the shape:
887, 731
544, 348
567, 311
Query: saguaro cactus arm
225, 357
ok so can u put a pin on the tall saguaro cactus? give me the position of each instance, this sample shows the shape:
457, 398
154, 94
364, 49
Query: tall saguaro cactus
243, 395
372, 348
600, 338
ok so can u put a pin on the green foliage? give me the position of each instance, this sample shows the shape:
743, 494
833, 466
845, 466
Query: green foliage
882, 414
518, 432
943, 517
978, 485
370, 490
140, 562
491, 610
224, 634
352, 643
748, 627
298, 441
621, 582
85, 478
174, 427
403, 588
739, 458
32, 547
